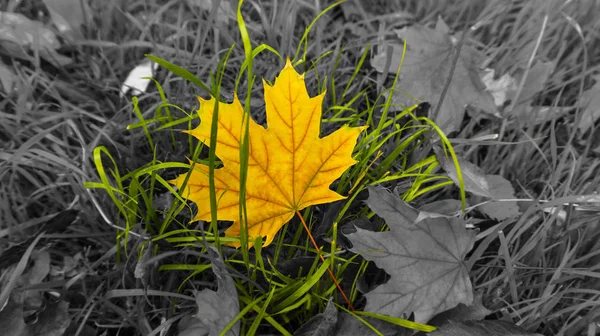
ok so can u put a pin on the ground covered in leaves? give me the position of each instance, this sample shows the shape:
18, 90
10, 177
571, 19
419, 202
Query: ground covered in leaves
408, 166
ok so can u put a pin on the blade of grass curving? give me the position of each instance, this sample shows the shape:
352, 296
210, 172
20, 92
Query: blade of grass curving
254, 305
106, 185
422, 177
357, 68
295, 305
332, 90
422, 191
245, 141
388, 101
335, 281
304, 288
363, 321
304, 39
360, 272
399, 321
259, 258
164, 120
255, 53
448, 145
261, 314
249, 306
166, 106
369, 146
181, 72
393, 156
363, 173
184, 267
212, 153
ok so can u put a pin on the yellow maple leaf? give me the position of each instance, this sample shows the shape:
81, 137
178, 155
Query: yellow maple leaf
290, 167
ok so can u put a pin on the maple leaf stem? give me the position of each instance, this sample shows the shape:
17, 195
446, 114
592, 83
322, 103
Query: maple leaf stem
337, 284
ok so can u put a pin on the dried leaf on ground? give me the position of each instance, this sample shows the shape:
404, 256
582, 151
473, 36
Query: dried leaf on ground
11, 316
448, 207
500, 88
473, 177
494, 187
215, 309
590, 104
7, 78
69, 16
501, 189
19, 29
481, 328
53, 320
473, 312
290, 167
505, 89
321, 324
35, 275
424, 259
425, 71
18, 33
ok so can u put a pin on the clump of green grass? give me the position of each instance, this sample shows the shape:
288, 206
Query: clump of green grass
59, 129
284, 301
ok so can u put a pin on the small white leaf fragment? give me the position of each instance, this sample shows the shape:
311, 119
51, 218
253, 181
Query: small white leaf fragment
139, 78
560, 214
499, 88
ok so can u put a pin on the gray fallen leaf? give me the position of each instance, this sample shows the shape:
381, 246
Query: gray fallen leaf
215, 309
473, 177
425, 260
488, 187
19, 29
473, 312
425, 72
590, 104
69, 16
7, 78
18, 34
321, 324
501, 189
